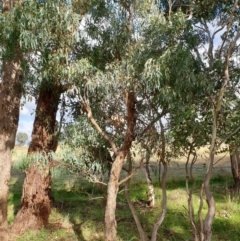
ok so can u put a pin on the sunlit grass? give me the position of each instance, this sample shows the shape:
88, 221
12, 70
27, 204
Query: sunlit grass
79, 213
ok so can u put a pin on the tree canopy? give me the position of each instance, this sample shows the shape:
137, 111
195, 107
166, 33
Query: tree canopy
22, 138
160, 75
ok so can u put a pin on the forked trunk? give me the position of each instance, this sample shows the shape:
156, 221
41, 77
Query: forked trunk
36, 205
113, 183
206, 224
10, 95
235, 165
189, 177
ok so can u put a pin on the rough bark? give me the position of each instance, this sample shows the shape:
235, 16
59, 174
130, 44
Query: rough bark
10, 95
36, 205
235, 165
44, 127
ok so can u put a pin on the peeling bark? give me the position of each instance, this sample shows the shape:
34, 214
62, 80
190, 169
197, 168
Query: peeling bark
35, 205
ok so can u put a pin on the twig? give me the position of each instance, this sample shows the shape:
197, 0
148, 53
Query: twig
219, 159
230, 135
132, 173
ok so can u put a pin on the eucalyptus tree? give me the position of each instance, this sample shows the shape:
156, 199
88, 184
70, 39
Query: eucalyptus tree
10, 95
142, 49
22, 137
49, 31
220, 67
214, 45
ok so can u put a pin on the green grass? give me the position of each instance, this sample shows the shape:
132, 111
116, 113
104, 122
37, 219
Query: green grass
79, 214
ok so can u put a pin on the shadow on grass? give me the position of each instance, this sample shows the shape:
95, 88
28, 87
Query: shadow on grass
84, 214
15, 188
84, 210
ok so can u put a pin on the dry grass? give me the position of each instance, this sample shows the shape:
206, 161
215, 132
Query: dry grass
18, 152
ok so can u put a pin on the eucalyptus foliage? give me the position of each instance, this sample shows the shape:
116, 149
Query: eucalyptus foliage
154, 59
83, 151
41, 160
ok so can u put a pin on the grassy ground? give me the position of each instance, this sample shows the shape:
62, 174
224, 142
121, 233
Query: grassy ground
79, 213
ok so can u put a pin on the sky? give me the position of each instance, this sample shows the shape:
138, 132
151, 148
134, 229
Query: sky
27, 115
26, 118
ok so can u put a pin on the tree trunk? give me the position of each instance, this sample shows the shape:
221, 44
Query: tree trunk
35, 205
141, 232
44, 138
235, 165
10, 96
189, 177
112, 191
162, 161
164, 203
206, 224
150, 193
113, 183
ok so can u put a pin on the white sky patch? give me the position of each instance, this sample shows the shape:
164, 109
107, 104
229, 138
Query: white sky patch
217, 40
27, 115
26, 127
24, 111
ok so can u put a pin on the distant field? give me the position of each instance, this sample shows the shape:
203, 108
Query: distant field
176, 166
18, 152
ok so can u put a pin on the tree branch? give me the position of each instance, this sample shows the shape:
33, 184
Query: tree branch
98, 128
228, 26
230, 135
131, 174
